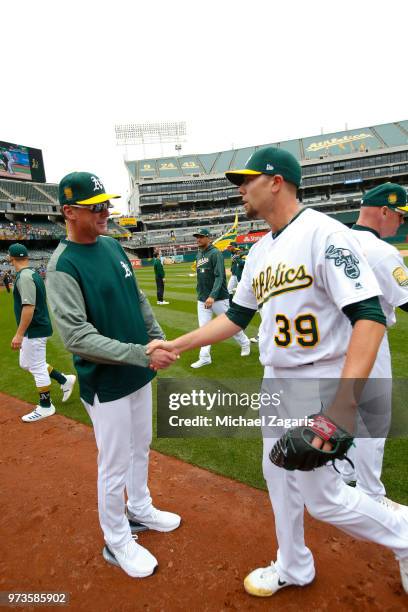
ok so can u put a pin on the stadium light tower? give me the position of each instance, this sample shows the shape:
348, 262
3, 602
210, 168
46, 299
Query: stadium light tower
151, 133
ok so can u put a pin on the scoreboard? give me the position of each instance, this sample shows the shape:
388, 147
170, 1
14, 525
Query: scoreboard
18, 162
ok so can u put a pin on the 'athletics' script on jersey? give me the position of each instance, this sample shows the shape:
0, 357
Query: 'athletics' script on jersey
202, 261
283, 279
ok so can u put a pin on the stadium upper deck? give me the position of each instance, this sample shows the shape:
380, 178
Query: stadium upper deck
347, 144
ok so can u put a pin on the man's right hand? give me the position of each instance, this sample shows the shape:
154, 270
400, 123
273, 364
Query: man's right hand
161, 359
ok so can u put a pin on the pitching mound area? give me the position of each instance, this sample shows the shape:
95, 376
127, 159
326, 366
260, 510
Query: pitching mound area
51, 540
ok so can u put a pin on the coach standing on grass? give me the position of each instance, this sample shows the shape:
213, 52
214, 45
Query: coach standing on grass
106, 322
159, 275
212, 293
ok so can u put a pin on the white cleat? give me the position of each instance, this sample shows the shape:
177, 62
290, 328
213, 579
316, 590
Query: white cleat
200, 363
68, 387
246, 350
158, 520
134, 559
404, 573
163, 303
38, 413
264, 582
254, 340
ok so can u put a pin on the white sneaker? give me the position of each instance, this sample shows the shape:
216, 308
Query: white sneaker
392, 505
68, 387
163, 303
156, 519
254, 340
134, 559
38, 413
404, 573
264, 582
200, 363
245, 350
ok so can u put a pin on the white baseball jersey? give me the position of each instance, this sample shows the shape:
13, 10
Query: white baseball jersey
300, 281
389, 269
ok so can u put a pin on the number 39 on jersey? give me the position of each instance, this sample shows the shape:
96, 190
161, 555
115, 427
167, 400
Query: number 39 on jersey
303, 329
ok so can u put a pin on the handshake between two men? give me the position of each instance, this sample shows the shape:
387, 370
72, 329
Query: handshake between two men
162, 354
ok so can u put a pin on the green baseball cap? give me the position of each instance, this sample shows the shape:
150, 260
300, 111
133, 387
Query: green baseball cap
202, 232
82, 188
388, 194
269, 160
18, 250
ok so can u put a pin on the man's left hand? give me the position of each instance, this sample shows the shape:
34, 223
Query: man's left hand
209, 302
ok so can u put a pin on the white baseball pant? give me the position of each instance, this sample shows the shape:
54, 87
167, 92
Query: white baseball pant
325, 496
34, 359
123, 433
205, 315
368, 452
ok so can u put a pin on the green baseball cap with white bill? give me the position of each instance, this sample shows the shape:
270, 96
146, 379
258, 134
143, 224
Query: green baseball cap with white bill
271, 161
83, 188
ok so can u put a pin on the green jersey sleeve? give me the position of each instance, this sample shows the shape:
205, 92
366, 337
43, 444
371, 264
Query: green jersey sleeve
27, 288
78, 335
152, 327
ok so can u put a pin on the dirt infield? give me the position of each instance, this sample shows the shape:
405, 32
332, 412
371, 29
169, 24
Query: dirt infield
51, 540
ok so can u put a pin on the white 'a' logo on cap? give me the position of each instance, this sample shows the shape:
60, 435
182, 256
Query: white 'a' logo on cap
97, 183
269, 167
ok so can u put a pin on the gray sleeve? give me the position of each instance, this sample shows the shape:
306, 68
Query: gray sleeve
78, 335
153, 328
26, 288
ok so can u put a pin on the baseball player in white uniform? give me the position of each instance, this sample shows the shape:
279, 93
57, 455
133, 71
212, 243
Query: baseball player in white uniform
382, 212
310, 281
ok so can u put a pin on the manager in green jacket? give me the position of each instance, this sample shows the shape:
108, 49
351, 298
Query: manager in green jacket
212, 292
107, 322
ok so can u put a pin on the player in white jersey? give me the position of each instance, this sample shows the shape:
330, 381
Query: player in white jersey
310, 279
382, 212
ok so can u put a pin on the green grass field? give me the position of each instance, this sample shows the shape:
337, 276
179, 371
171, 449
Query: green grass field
238, 459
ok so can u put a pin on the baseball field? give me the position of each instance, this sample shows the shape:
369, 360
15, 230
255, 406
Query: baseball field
237, 459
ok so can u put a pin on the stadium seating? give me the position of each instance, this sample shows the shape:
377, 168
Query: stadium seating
20, 190
50, 190
31, 229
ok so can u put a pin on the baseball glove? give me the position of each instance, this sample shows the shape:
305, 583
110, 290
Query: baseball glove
294, 451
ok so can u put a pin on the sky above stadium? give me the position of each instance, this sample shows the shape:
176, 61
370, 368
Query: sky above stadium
239, 73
